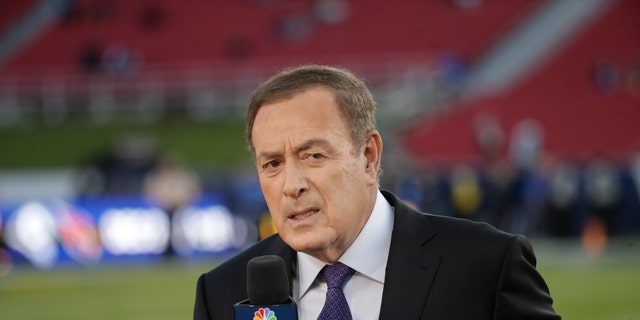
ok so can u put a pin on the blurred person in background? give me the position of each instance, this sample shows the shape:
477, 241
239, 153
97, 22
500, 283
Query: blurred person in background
313, 136
171, 185
121, 169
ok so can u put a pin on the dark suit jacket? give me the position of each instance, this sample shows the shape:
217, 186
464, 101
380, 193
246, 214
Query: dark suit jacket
438, 268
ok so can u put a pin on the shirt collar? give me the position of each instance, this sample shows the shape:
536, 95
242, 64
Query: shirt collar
367, 255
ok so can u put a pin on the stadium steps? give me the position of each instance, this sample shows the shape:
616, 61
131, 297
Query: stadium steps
580, 121
199, 32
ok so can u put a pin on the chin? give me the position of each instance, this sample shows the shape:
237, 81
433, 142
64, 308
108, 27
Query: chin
305, 243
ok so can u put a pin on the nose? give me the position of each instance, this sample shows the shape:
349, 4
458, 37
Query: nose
295, 182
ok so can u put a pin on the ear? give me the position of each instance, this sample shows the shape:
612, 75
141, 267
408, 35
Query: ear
372, 153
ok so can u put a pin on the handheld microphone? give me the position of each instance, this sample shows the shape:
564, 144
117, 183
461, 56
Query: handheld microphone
268, 291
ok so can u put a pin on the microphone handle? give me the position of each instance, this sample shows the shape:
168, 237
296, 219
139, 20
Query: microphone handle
245, 311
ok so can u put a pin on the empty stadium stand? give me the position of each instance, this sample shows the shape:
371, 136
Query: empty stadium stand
11, 11
234, 38
177, 33
581, 118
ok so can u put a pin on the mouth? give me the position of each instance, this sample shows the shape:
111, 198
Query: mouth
303, 214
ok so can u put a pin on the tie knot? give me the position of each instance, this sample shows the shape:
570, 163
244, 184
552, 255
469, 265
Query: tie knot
337, 274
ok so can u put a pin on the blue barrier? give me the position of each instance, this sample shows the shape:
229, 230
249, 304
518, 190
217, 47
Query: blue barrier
50, 232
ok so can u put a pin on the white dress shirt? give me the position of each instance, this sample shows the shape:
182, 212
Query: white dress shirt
367, 255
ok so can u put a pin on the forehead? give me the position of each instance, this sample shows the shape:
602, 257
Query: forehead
310, 114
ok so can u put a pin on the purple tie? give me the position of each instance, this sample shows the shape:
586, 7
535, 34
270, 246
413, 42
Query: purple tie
335, 305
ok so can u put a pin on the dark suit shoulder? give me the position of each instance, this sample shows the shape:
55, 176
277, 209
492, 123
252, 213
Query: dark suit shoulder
459, 241
241, 258
424, 226
223, 286
470, 243
467, 229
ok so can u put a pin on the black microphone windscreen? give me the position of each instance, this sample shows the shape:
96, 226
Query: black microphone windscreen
267, 280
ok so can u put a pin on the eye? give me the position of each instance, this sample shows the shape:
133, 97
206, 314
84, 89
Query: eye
273, 164
314, 156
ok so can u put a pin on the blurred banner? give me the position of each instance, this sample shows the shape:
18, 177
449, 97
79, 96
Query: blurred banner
47, 233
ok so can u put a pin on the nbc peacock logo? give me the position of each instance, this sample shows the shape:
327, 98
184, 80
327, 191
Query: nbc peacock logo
264, 314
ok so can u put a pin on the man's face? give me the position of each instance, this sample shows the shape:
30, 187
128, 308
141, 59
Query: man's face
319, 190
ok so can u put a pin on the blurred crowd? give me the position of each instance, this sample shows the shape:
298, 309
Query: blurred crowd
541, 197
548, 198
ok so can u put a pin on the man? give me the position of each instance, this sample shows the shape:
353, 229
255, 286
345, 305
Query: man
317, 151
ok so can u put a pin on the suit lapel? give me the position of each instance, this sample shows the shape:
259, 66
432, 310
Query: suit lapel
410, 269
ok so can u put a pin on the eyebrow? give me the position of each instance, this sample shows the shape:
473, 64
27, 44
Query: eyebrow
310, 144
304, 146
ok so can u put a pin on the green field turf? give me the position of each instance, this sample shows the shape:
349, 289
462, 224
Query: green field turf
164, 291
584, 289
212, 144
